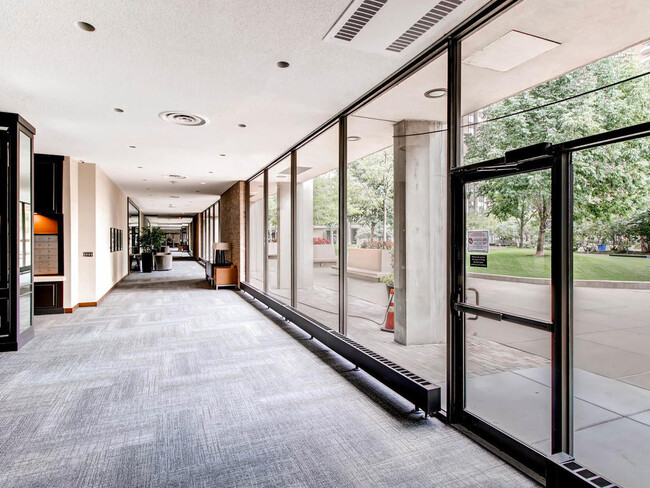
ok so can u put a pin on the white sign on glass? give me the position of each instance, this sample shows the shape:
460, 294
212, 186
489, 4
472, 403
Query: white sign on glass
478, 241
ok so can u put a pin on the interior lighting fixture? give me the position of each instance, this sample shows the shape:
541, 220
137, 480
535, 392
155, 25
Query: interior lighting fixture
282, 64
435, 93
85, 26
354, 138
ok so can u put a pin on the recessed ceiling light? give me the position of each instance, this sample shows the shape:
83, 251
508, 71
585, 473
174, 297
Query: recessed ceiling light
139, 167
221, 156
354, 138
210, 172
132, 147
197, 191
282, 64
85, 26
183, 118
174, 196
118, 110
241, 125
176, 177
435, 93
203, 182
510, 51
144, 179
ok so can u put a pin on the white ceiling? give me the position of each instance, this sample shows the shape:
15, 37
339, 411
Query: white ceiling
213, 58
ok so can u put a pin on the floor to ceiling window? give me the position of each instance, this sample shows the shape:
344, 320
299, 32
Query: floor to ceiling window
256, 224
278, 231
317, 228
397, 224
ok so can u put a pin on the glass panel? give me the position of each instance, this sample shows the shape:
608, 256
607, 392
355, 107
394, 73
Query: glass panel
26, 316
317, 198
508, 383
25, 168
531, 76
611, 329
508, 239
256, 232
397, 224
279, 231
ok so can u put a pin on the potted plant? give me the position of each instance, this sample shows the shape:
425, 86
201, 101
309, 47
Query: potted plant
151, 238
389, 281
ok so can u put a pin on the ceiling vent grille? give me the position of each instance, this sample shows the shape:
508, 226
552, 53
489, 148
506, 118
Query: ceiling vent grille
359, 19
431, 18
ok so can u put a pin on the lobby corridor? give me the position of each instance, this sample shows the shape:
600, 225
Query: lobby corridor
170, 383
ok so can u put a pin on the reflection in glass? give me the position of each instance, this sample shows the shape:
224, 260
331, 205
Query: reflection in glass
317, 198
279, 231
256, 237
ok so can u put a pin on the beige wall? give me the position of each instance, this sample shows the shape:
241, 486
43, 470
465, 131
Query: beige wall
110, 211
86, 231
92, 204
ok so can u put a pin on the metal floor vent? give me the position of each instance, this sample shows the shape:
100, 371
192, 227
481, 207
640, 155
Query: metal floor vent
382, 359
589, 476
431, 18
359, 19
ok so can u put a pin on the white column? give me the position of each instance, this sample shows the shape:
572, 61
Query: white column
284, 236
420, 233
305, 231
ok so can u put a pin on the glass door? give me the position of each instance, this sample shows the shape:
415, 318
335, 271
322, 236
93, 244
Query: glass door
502, 324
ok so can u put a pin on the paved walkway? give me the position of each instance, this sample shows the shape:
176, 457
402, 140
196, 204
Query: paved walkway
171, 383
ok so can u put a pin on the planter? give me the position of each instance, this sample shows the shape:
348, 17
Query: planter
147, 262
324, 254
377, 260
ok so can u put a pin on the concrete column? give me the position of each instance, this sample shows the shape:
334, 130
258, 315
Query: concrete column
420, 233
284, 236
305, 237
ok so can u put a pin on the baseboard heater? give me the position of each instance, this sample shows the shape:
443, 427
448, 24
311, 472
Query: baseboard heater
422, 393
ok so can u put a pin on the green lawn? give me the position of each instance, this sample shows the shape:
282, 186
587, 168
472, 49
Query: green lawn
522, 262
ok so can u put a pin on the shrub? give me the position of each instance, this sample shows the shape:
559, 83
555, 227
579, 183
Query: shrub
376, 244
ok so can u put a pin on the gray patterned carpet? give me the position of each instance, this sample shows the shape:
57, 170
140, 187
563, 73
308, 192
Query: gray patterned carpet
169, 383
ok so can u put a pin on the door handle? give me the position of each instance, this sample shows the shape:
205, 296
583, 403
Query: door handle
475, 317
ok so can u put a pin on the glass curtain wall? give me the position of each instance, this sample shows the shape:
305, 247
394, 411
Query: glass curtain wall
397, 225
256, 225
278, 231
317, 228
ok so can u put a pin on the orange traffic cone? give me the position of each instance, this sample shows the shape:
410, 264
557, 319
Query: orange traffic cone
390, 314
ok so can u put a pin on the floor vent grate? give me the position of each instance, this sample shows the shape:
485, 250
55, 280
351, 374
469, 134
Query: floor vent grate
359, 19
431, 18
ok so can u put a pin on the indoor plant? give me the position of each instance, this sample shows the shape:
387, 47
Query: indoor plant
151, 238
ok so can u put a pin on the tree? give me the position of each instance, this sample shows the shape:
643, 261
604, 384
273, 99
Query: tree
608, 181
326, 199
370, 191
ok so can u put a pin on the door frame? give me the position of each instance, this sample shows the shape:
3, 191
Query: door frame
557, 158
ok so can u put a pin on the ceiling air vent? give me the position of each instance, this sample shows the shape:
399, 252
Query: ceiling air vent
428, 20
359, 19
183, 118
